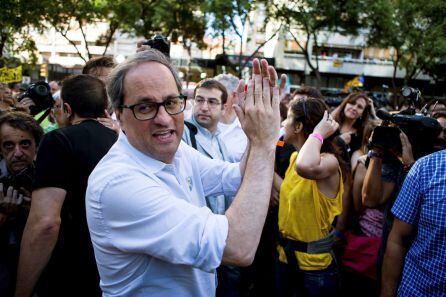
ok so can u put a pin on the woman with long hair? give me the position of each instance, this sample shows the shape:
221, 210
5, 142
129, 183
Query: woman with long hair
310, 200
353, 116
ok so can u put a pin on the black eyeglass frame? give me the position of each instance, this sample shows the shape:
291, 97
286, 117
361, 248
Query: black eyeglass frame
158, 105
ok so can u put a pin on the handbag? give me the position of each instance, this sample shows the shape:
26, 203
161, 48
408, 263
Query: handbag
361, 254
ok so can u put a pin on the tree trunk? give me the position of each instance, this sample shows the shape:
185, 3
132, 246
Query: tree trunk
3, 38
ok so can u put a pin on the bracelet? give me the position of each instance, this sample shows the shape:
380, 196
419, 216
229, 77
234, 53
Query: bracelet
373, 154
318, 137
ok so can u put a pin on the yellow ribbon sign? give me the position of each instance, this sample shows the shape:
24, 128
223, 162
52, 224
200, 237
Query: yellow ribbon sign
10, 75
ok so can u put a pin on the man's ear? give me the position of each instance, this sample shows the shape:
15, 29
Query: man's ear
67, 109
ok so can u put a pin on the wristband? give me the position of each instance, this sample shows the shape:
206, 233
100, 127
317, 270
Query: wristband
373, 154
318, 137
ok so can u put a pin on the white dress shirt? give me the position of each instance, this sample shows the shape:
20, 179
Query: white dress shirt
234, 139
151, 230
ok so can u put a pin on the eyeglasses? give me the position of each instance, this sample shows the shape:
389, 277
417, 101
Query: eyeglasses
212, 103
148, 110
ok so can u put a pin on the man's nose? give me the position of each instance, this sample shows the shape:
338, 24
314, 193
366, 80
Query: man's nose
205, 105
18, 152
162, 117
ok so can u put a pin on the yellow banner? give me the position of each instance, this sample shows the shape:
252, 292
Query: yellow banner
10, 75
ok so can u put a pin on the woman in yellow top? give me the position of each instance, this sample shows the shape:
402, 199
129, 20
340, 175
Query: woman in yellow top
310, 200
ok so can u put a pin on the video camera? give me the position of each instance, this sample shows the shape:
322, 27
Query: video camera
421, 130
159, 42
23, 179
40, 94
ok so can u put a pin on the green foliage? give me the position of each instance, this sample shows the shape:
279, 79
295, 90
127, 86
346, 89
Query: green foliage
309, 18
15, 20
415, 29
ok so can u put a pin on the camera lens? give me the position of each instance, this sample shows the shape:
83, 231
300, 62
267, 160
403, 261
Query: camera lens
406, 91
41, 90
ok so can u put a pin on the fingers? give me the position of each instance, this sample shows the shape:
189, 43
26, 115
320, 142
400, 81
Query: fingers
258, 93
272, 76
107, 122
230, 101
9, 192
255, 67
25, 192
266, 93
240, 94
140, 43
282, 82
265, 68
107, 115
249, 99
276, 99
19, 199
325, 116
140, 46
404, 139
239, 112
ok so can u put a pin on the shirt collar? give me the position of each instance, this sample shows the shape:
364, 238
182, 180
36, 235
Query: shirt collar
203, 130
148, 162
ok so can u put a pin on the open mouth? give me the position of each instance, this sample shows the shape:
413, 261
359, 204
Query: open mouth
164, 136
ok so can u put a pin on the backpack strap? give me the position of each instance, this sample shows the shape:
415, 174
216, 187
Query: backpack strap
192, 132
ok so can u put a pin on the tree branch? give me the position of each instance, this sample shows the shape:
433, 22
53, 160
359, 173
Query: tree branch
317, 49
64, 34
85, 38
260, 46
112, 31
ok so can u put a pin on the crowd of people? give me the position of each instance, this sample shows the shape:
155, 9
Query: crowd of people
128, 187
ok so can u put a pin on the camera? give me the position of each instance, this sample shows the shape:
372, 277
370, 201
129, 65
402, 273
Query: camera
23, 179
40, 94
412, 94
160, 43
421, 130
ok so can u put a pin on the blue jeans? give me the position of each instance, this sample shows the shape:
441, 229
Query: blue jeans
293, 282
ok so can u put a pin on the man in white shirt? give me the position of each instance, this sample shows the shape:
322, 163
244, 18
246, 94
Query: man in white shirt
151, 231
209, 97
232, 133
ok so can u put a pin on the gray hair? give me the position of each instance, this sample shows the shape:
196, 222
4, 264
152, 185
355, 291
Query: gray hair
229, 81
115, 82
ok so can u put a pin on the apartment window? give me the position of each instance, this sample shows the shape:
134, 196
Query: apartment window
338, 52
291, 47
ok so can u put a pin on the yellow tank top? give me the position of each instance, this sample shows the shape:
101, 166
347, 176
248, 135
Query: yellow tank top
305, 214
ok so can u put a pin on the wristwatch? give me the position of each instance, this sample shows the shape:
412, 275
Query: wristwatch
373, 154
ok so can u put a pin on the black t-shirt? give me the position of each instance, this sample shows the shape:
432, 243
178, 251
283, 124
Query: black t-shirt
65, 159
283, 155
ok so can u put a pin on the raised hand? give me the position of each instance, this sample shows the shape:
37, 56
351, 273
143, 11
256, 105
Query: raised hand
258, 106
10, 202
407, 154
109, 122
228, 115
327, 126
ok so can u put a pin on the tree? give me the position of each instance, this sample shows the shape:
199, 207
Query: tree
16, 19
305, 20
416, 31
231, 17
